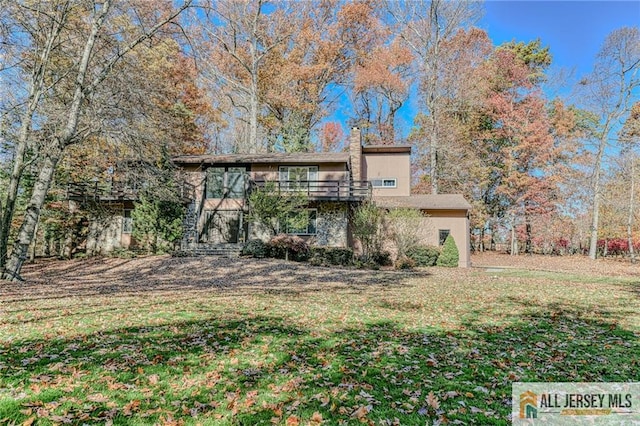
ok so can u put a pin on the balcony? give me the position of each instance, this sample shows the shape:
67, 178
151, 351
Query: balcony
327, 190
118, 191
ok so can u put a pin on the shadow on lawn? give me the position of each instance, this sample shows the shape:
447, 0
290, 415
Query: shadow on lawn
259, 368
116, 277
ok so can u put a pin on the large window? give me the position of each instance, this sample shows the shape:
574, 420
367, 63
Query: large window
298, 177
226, 182
311, 223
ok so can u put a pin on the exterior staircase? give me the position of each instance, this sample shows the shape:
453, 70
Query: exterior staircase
221, 250
189, 244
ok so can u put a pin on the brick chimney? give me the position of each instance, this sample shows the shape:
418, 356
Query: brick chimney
355, 154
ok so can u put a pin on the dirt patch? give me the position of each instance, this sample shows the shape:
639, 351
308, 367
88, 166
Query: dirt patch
572, 264
242, 276
150, 274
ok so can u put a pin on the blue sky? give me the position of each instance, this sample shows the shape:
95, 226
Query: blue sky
574, 30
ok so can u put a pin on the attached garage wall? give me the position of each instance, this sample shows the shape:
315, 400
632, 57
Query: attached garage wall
457, 223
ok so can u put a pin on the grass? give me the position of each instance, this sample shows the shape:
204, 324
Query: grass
387, 348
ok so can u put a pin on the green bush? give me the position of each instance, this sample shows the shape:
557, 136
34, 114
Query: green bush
424, 255
255, 248
289, 247
331, 256
382, 258
449, 256
157, 224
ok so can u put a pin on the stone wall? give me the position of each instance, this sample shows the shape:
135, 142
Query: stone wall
331, 227
333, 222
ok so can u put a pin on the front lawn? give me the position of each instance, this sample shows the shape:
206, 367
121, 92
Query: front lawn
244, 342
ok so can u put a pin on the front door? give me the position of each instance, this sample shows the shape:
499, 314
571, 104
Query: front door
222, 226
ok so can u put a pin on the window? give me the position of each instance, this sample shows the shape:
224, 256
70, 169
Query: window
310, 228
298, 177
443, 234
127, 222
226, 182
236, 179
384, 183
215, 182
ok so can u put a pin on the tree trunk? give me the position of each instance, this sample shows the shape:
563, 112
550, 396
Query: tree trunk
492, 243
433, 155
514, 240
32, 215
34, 246
51, 159
527, 247
14, 183
632, 253
595, 212
253, 115
36, 89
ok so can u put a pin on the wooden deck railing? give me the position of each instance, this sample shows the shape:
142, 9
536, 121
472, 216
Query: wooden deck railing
322, 189
119, 191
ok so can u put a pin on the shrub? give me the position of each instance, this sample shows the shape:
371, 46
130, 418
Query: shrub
404, 263
449, 256
289, 247
403, 225
255, 248
364, 264
367, 221
276, 209
382, 258
424, 255
331, 256
157, 224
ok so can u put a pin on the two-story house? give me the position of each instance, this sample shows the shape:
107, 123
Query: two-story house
334, 183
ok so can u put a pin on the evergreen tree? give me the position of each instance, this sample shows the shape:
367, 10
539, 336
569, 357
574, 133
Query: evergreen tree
449, 256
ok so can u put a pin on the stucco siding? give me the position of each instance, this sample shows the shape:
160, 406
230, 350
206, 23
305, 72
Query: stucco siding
458, 226
388, 166
105, 235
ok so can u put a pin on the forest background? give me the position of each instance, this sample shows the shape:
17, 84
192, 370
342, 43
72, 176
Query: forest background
547, 155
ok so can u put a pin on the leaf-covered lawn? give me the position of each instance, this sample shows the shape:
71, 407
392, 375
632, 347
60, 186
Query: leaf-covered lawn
244, 342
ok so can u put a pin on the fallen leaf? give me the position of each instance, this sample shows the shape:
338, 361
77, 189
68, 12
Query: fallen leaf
316, 418
97, 397
361, 412
432, 400
29, 421
292, 421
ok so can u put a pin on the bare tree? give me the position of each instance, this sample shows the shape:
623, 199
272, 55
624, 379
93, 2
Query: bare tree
43, 24
608, 93
630, 140
239, 39
97, 45
426, 26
